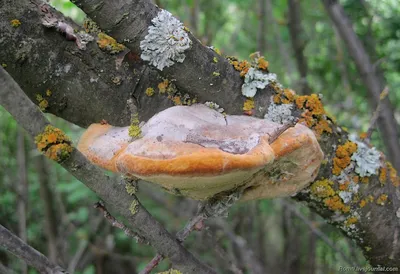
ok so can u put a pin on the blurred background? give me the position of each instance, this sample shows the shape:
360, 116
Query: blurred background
53, 212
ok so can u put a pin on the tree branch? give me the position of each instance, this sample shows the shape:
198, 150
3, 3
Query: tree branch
27, 253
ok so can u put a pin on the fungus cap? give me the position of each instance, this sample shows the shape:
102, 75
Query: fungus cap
198, 152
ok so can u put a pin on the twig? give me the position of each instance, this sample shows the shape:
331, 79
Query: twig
375, 116
114, 222
27, 253
152, 264
282, 129
211, 208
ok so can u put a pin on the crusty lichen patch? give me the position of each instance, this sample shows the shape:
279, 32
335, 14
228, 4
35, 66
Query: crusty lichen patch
343, 157
382, 199
15, 23
248, 106
54, 143
133, 208
43, 103
149, 92
109, 44
393, 174
134, 130
131, 188
335, 203
322, 188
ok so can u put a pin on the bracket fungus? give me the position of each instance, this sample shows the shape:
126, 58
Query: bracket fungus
198, 152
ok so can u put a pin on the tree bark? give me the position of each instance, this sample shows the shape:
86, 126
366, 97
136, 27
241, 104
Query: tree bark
371, 77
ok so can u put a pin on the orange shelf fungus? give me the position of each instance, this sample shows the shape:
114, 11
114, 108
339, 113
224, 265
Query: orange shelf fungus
198, 152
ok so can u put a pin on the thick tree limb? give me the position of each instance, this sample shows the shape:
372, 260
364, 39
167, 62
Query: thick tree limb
110, 190
27, 253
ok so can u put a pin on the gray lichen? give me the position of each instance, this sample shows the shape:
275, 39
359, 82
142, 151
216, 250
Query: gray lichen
165, 42
279, 113
256, 79
367, 160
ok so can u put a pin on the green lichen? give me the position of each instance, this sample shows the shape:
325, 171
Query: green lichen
215, 60
133, 208
216, 74
4, 65
131, 188
43, 103
149, 92
134, 130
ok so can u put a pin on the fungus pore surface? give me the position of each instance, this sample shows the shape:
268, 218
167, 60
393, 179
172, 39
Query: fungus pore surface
198, 152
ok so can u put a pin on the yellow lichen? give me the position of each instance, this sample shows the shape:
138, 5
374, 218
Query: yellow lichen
383, 175
149, 92
393, 175
370, 198
162, 87
43, 103
344, 186
242, 66
335, 203
48, 92
216, 74
177, 100
215, 60
15, 23
54, 143
365, 180
4, 65
363, 203
134, 129
262, 63
248, 104
382, 199
363, 135
322, 188
343, 156
368, 248
133, 208
285, 96
351, 220
217, 51
109, 44
323, 126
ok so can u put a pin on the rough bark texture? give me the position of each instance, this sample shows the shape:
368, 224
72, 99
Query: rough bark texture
376, 230
371, 77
